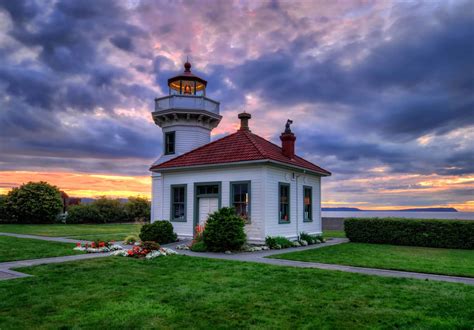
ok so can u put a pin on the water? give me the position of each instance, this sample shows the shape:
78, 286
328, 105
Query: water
398, 214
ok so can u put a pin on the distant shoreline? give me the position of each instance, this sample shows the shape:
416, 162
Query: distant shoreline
355, 209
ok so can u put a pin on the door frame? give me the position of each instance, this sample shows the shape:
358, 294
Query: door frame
197, 197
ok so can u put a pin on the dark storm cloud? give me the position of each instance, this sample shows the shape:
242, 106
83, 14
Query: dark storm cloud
363, 83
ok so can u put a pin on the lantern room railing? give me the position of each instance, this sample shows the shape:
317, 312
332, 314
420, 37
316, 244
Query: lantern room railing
188, 102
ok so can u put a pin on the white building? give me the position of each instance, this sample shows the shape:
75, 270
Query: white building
277, 192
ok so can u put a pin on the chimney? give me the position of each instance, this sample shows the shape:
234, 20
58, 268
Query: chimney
244, 121
288, 141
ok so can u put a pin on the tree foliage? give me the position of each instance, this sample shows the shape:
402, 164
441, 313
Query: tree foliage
33, 202
138, 209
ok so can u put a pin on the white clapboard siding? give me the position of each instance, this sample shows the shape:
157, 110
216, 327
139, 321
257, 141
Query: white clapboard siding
264, 198
187, 138
291, 230
254, 230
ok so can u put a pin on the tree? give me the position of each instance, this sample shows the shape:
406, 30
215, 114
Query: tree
138, 209
110, 210
34, 202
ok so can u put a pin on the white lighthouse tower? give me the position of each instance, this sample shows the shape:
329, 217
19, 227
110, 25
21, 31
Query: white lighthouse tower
186, 116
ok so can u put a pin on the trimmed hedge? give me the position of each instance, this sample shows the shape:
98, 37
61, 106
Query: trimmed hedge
453, 234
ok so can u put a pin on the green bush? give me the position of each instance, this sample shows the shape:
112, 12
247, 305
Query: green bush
199, 247
454, 234
130, 239
33, 202
83, 213
138, 209
150, 246
3, 209
224, 230
110, 210
278, 242
311, 239
158, 231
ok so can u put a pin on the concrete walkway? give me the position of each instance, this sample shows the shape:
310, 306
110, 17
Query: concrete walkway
260, 257
46, 238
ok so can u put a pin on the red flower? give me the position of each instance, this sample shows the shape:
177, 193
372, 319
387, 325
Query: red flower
78, 244
93, 245
101, 244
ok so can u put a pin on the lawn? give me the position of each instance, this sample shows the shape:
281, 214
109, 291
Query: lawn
334, 233
12, 248
409, 258
87, 232
185, 292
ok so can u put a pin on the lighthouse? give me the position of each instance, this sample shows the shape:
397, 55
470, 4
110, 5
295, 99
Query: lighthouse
186, 116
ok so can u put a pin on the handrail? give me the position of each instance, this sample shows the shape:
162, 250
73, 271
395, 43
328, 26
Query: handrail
187, 102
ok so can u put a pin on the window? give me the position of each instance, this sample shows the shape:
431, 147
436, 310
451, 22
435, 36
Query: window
178, 203
211, 189
307, 204
240, 198
170, 138
284, 202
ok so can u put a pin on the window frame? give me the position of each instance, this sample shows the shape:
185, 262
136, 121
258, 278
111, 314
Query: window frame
165, 144
280, 185
172, 202
310, 219
231, 197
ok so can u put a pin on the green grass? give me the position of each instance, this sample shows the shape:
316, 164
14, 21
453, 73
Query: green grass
12, 248
87, 232
184, 292
334, 233
409, 258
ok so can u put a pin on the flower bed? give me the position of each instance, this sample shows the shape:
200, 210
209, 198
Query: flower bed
148, 250
98, 247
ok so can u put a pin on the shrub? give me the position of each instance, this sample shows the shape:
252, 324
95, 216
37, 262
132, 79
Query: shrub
150, 246
224, 230
130, 239
83, 213
198, 247
311, 239
33, 202
158, 231
110, 210
3, 209
138, 209
455, 234
278, 242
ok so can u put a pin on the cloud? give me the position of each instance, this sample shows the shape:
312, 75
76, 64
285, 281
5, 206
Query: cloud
378, 85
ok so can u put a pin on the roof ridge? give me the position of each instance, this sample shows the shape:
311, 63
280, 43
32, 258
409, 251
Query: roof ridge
249, 136
279, 147
198, 148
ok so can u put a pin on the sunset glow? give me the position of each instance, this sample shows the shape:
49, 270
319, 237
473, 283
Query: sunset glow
380, 92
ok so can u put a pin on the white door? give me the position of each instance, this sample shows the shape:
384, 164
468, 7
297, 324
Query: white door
206, 207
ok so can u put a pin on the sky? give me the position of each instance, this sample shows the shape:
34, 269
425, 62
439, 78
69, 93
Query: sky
381, 93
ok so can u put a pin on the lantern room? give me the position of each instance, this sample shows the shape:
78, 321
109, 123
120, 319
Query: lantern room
187, 83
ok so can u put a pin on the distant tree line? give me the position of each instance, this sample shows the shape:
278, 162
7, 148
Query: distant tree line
40, 202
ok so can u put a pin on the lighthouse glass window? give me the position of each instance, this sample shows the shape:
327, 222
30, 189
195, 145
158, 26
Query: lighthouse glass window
240, 199
284, 202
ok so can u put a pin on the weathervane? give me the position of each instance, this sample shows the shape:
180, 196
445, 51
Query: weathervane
287, 126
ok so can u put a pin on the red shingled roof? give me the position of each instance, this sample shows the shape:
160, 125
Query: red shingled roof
240, 146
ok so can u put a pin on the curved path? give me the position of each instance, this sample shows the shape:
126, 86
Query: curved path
6, 271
